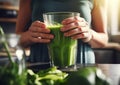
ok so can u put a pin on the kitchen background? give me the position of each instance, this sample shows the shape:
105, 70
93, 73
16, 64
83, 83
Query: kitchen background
109, 54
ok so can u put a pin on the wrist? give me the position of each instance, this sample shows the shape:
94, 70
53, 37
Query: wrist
89, 38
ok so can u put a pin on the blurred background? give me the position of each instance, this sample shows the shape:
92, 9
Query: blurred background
110, 54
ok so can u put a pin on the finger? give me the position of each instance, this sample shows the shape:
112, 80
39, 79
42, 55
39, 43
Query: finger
76, 31
46, 36
38, 40
38, 29
79, 19
72, 32
83, 35
68, 20
72, 26
72, 19
42, 35
39, 24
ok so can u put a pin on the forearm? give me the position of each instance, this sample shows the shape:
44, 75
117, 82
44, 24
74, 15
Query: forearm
99, 24
98, 40
24, 40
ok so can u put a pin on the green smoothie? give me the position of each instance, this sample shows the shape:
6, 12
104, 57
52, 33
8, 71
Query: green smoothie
62, 49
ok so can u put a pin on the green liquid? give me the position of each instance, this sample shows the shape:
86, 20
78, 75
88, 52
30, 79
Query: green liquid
62, 49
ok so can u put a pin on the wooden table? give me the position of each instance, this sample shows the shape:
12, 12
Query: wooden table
112, 71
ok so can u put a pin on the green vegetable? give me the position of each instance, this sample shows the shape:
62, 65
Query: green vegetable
84, 76
62, 49
9, 74
51, 76
6, 45
87, 76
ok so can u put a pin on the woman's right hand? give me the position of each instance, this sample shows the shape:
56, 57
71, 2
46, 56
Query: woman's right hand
37, 33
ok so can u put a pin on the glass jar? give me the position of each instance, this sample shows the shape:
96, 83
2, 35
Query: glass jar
62, 50
12, 62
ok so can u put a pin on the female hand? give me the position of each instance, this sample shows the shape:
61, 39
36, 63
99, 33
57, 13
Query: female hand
76, 28
38, 33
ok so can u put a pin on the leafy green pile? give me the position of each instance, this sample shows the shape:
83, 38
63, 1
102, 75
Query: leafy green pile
51, 76
10, 76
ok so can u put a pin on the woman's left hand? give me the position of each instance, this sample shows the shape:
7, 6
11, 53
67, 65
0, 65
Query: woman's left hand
76, 28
